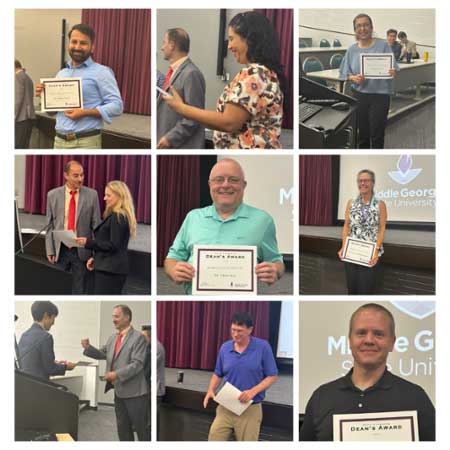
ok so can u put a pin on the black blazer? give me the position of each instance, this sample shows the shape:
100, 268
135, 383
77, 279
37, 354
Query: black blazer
36, 353
110, 244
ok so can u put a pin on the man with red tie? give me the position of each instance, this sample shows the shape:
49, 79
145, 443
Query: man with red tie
125, 353
174, 131
72, 207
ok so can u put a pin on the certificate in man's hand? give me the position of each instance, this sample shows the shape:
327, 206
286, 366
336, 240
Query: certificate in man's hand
67, 237
60, 94
377, 65
224, 269
357, 251
228, 397
394, 426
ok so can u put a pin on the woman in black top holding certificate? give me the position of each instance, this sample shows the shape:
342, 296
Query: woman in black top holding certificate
110, 243
365, 219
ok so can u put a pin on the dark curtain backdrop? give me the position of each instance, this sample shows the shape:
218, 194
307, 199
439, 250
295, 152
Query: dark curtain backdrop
283, 22
192, 332
316, 200
178, 193
122, 42
45, 172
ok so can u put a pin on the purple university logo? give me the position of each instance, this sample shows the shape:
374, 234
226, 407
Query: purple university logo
417, 309
405, 174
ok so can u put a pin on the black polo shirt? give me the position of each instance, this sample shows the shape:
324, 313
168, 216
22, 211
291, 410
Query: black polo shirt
390, 393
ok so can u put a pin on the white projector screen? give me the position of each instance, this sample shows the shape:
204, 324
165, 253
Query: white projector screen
270, 187
325, 355
285, 347
406, 183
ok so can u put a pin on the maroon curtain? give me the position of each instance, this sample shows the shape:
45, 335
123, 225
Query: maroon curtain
316, 201
45, 172
178, 193
122, 42
192, 332
282, 21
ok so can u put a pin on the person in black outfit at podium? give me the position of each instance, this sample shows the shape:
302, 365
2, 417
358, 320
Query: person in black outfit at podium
110, 243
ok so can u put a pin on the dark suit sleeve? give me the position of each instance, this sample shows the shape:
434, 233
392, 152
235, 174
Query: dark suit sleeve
426, 417
118, 232
193, 94
307, 431
48, 358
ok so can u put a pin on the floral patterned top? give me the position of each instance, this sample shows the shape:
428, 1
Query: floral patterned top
364, 220
255, 88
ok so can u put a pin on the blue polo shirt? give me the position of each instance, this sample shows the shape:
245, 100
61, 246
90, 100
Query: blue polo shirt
247, 226
247, 369
100, 91
351, 65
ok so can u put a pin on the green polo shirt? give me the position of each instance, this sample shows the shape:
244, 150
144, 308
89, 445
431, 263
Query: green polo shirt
247, 226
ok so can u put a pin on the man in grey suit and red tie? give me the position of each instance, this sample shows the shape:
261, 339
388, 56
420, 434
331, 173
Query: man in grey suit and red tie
174, 131
72, 207
125, 354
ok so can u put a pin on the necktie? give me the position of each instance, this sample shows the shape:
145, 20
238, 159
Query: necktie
72, 211
116, 348
168, 77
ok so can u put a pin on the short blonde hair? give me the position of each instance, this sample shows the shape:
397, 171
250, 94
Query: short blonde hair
124, 205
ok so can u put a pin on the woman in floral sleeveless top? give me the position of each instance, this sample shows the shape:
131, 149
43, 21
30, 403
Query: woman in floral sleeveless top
250, 110
365, 219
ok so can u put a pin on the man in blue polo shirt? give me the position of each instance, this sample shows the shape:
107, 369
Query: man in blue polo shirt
81, 127
248, 364
228, 221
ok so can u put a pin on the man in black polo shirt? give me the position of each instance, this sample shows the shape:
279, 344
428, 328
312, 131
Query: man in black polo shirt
369, 387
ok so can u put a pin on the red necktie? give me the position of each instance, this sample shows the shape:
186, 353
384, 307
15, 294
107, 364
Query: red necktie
116, 348
72, 211
168, 77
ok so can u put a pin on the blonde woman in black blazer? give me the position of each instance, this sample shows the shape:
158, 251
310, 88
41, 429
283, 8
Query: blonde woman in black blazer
110, 242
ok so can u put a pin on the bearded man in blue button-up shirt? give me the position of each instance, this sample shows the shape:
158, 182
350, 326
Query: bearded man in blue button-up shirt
81, 127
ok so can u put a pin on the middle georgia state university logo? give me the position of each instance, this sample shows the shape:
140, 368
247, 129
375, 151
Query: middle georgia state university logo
416, 309
405, 174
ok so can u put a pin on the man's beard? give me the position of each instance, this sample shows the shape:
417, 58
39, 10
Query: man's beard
79, 56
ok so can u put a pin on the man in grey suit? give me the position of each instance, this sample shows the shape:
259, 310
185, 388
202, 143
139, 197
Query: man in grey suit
125, 353
36, 354
174, 131
72, 207
24, 107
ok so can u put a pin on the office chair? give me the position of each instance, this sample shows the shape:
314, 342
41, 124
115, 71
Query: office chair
302, 43
335, 61
324, 43
337, 43
312, 64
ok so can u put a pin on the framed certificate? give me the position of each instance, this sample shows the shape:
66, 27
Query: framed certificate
357, 251
393, 426
60, 94
377, 65
224, 269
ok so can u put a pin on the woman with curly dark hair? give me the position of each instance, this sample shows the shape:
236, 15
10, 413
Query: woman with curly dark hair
250, 110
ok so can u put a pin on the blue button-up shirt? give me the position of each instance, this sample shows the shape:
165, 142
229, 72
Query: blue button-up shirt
247, 226
100, 91
247, 369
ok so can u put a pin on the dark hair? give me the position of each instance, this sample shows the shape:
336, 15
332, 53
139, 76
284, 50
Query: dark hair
242, 318
84, 29
402, 35
68, 165
262, 41
125, 310
17, 64
375, 307
38, 309
180, 38
391, 30
361, 16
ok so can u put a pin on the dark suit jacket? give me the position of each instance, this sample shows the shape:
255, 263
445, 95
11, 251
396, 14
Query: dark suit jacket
110, 244
179, 131
36, 353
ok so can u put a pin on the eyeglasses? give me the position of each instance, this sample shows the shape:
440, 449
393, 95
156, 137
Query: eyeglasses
367, 181
221, 180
